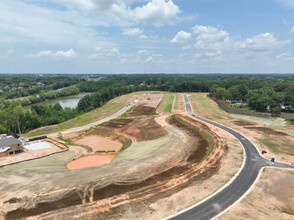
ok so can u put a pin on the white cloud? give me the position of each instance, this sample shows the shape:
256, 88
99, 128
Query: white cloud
260, 42
181, 37
132, 32
54, 55
157, 13
211, 38
292, 30
148, 59
143, 37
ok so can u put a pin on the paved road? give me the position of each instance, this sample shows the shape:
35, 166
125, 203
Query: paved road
84, 127
242, 183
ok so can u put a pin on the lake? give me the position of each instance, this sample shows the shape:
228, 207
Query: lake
67, 101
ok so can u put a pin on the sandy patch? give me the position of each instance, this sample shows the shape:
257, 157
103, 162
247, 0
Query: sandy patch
90, 161
271, 198
99, 143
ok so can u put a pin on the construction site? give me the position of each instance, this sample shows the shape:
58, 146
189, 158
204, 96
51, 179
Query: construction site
146, 163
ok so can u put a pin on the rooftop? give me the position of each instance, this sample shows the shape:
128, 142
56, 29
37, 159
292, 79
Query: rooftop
6, 142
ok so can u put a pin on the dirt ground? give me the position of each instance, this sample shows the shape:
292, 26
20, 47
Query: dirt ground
90, 161
31, 154
140, 129
148, 105
164, 174
99, 143
271, 198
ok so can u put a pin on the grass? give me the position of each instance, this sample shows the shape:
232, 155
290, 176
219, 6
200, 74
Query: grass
287, 211
288, 116
205, 107
50, 164
277, 147
108, 109
140, 149
166, 104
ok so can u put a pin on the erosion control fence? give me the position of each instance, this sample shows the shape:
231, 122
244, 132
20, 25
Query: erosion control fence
229, 109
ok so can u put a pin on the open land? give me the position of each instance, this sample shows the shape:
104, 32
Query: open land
152, 177
275, 136
163, 163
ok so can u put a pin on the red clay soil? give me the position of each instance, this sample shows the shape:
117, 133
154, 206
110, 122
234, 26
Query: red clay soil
118, 123
118, 196
141, 129
142, 109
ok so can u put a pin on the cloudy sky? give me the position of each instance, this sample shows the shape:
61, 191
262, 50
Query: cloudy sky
146, 36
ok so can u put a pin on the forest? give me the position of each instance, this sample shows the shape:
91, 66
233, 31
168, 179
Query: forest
254, 92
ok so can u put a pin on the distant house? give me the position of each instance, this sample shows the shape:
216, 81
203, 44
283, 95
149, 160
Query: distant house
10, 146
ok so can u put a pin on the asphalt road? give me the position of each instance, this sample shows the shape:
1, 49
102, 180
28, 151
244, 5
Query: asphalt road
87, 126
241, 184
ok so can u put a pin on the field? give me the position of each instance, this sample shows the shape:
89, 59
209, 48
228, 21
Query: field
166, 104
157, 151
165, 158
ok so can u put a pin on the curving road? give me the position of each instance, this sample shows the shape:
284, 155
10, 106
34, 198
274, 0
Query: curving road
87, 126
241, 184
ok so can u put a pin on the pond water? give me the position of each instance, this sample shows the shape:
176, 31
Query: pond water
67, 101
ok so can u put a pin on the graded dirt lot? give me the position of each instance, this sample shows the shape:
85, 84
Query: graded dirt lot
148, 177
148, 105
271, 198
90, 161
99, 143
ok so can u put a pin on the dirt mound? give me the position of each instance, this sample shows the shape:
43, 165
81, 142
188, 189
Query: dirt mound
142, 110
144, 129
267, 131
242, 123
119, 123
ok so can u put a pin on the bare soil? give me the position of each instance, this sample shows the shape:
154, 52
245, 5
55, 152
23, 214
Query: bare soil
271, 198
148, 105
90, 161
140, 129
267, 131
157, 176
99, 143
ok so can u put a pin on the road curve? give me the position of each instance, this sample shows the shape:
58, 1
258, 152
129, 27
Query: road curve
225, 198
87, 126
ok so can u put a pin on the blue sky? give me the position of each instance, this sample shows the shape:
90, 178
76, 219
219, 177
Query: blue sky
147, 36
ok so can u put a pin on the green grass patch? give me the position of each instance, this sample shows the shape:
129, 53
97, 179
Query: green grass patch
287, 211
166, 104
105, 151
277, 147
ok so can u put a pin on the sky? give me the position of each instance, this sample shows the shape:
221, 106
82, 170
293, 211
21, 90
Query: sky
147, 36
